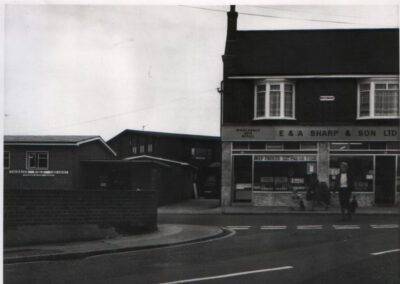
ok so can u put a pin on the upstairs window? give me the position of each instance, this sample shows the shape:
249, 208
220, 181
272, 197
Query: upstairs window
274, 100
37, 160
378, 99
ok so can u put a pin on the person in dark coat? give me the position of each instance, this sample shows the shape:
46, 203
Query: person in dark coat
323, 195
312, 189
344, 185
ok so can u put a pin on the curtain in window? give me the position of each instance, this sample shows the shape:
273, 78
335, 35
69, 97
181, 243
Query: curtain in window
386, 100
275, 100
260, 101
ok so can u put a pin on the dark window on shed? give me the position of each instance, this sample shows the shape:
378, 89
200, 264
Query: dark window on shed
37, 160
6, 160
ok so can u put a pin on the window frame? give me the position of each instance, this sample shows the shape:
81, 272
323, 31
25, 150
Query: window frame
28, 167
282, 101
372, 82
9, 160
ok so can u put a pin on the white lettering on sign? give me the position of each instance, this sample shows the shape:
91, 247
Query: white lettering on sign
326, 98
38, 173
287, 158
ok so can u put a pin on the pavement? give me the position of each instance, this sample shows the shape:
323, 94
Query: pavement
166, 235
212, 206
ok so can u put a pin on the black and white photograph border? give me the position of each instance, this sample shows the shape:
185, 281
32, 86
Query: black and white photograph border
200, 141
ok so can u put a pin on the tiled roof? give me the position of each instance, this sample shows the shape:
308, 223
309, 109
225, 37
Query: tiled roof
313, 52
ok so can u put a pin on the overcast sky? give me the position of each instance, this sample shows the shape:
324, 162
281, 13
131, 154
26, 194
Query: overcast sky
102, 69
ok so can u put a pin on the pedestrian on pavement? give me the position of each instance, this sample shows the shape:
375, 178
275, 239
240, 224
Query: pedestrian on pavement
323, 195
312, 188
344, 185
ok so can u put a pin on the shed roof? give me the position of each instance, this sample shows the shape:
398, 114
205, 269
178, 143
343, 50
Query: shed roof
54, 140
313, 52
166, 134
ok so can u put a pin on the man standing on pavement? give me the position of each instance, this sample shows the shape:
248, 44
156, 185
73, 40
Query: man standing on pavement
344, 184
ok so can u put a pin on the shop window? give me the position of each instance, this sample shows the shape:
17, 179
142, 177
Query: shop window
339, 146
242, 171
240, 145
308, 146
37, 160
274, 100
274, 146
201, 153
257, 145
398, 174
361, 168
378, 98
377, 146
6, 160
393, 146
280, 176
291, 146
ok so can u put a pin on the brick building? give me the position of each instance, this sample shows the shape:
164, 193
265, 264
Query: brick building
296, 102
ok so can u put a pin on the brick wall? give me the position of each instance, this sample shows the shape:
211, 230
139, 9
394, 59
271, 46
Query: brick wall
127, 211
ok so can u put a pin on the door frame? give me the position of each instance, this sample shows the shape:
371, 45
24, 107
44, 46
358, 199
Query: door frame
395, 175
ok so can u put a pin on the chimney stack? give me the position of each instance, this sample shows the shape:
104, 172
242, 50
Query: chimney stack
232, 23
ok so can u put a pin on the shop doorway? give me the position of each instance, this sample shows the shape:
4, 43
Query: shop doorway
242, 178
385, 172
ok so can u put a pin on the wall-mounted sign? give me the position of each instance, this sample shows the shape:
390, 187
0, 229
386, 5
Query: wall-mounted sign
38, 173
310, 133
326, 98
284, 158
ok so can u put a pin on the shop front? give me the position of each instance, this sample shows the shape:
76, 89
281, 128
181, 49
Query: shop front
268, 164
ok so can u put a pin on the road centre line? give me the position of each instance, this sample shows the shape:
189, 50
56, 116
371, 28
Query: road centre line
239, 227
273, 227
229, 275
309, 227
346, 227
385, 226
385, 252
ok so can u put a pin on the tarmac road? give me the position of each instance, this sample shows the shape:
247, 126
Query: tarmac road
264, 249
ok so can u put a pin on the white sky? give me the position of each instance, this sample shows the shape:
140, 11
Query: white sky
101, 69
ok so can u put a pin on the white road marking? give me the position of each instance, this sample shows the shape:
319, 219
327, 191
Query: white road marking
346, 227
229, 275
273, 227
385, 226
386, 251
309, 227
239, 227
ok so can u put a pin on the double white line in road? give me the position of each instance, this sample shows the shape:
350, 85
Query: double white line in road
229, 275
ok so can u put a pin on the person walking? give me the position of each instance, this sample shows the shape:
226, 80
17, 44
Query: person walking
344, 185
312, 189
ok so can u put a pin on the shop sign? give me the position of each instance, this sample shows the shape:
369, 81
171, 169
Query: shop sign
310, 133
284, 158
38, 173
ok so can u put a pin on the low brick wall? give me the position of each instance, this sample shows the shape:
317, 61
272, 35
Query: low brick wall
125, 210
